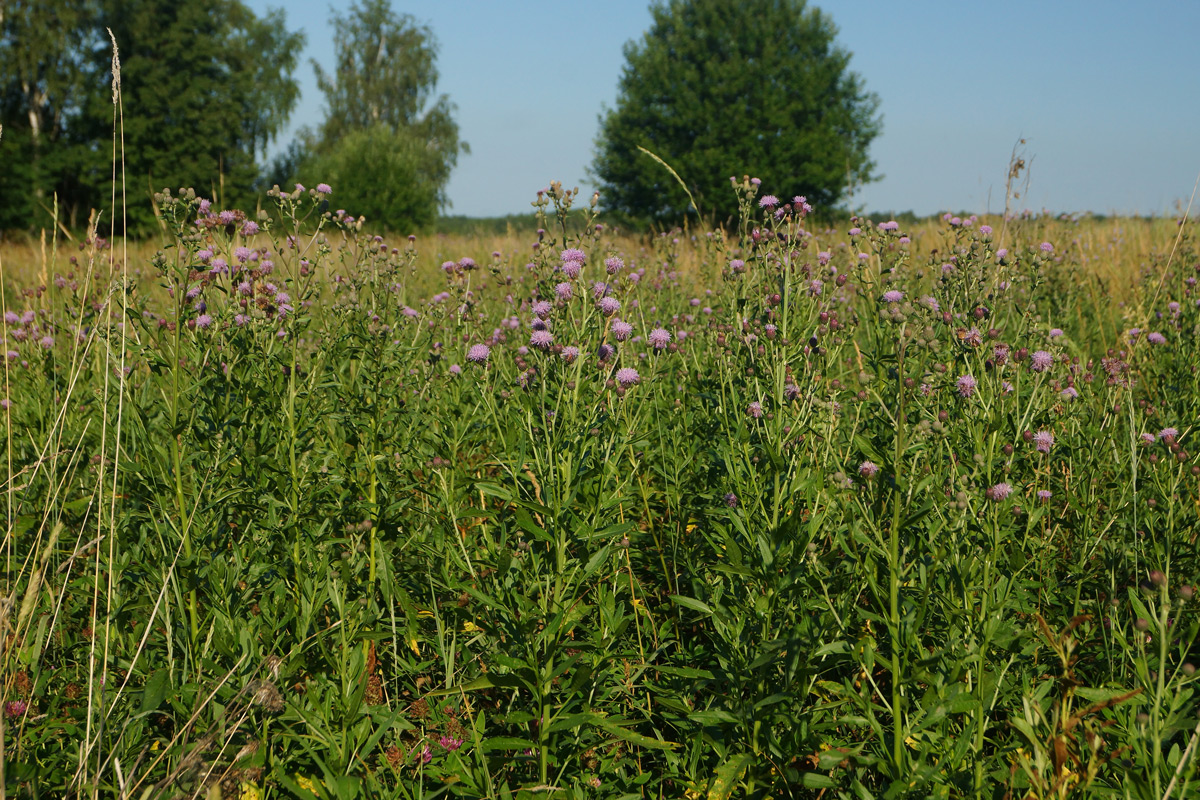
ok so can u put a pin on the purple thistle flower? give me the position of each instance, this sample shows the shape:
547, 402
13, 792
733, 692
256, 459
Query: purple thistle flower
573, 254
768, 201
46, 341
563, 291
324, 188
893, 296
1055, 333
609, 306
731, 500
240, 320
569, 354
868, 469
613, 265
605, 352
1147, 438
999, 492
541, 339
542, 308
1168, 434
1040, 361
203, 321
1043, 441
226, 217
455, 369
1069, 393
972, 338
627, 376
621, 330
737, 265
966, 385
478, 354
659, 338
250, 228
1046, 247
572, 269
1044, 495
5, 404
755, 410
1156, 338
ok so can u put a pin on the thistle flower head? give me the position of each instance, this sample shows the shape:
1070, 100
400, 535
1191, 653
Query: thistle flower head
999, 492
1040, 360
478, 354
627, 376
659, 338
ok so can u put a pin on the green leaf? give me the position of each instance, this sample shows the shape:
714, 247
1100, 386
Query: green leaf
692, 603
611, 727
817, 780
506, 743
727, 775
156, 689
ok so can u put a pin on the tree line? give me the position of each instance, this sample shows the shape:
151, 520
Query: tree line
205, 89
713, 90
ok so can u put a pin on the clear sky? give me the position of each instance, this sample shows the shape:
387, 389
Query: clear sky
1106, 95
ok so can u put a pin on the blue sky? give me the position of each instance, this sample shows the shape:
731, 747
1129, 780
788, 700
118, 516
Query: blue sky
1106, 95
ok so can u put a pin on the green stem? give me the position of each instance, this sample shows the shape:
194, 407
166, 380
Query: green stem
894, 576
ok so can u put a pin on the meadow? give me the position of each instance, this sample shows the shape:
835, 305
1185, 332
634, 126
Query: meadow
795, 509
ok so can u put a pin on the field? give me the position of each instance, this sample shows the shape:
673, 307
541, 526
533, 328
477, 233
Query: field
798, 509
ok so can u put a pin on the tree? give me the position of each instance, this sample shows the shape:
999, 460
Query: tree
386, 140
383, 174
41, 81
205, 87
718, 89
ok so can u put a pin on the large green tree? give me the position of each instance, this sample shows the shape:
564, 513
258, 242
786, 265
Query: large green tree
387, 143
204, 86
718, 89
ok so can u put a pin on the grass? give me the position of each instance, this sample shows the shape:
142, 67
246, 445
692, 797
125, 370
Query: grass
864, 524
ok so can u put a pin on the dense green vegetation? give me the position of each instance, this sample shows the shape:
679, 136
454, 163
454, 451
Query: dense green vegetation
790, 513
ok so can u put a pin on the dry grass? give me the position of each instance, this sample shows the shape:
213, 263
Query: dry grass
1114, 250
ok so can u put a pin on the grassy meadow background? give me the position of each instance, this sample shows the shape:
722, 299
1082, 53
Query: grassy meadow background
803, 508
